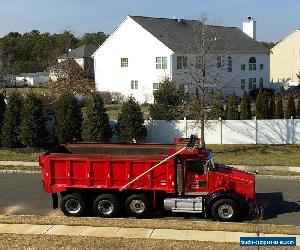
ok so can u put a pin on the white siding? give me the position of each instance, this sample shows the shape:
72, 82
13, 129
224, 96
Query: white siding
130, 41
229, 81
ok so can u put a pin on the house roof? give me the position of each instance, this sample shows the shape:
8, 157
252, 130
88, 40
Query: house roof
64, 65
83, 51
183, 36
36, 74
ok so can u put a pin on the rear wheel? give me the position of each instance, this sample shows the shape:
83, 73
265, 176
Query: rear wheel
225, 210
138, 205
73, 205
106, 205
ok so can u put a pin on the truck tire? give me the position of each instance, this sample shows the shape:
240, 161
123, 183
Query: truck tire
106, 205
225, 210
72, 205
137, 205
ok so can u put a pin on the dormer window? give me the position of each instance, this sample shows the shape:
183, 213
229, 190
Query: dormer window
252, 63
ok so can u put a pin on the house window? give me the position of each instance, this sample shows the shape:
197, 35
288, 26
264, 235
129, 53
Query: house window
252, 83
219, 62
261, 66
181, 62
243, 83
252, 63
156, 86
134, 84
185, 88
199, 62
261, 83
161, 62
124, 62
243, 66
229, 62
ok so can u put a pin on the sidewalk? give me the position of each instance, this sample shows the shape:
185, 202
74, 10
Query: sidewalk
133, 233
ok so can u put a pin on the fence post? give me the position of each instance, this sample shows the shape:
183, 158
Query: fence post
221, 129
185, 125
255, 129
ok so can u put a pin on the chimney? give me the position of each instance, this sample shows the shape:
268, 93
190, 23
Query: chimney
249, 27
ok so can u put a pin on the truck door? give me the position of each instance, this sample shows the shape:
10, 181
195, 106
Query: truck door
196, 177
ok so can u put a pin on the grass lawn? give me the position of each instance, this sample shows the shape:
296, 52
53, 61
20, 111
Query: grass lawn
259, 155
250, 155
19, 155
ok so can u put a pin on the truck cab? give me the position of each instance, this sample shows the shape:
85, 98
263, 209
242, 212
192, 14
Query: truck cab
205, 186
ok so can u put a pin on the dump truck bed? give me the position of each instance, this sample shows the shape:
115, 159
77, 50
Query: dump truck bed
107, 166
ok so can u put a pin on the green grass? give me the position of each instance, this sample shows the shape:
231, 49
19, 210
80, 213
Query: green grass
250, 155
23, 154
257, 155
114, 110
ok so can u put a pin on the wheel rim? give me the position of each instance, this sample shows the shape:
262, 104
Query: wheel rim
105, 207
72, 206
137, 206
225, 211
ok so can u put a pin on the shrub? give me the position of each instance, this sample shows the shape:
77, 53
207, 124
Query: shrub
290, 109
279, 109
130, 124
232, 107
262, 105
12, 121
68, 118
95, 125
246, 112
32, 129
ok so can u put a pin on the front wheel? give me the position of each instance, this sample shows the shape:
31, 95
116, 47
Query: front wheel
225, 210
72, 205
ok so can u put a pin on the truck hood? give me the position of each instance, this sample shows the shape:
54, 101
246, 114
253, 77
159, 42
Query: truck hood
241, 182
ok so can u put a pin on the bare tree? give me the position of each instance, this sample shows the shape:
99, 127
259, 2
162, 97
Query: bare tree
203, 65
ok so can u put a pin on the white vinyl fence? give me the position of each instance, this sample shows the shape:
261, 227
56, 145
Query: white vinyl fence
281, 131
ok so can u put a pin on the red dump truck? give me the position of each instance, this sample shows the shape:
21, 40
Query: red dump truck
142, 178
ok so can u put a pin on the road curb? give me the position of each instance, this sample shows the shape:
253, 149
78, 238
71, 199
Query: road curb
133, 233
14, 171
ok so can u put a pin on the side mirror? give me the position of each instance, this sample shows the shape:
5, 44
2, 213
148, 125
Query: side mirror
192, 142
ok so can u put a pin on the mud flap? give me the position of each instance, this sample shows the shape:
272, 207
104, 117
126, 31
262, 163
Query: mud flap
54, 200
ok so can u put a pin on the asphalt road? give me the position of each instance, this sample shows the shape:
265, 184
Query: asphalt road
22, 194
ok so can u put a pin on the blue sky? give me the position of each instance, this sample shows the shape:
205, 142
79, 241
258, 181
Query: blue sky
275, 18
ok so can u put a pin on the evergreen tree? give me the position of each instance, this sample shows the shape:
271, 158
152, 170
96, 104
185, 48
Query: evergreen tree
2, 112
12, 121
130, 125
32, 130
68, 118
168, 101
298, 109
232, 107
217, 108
279, 109
290, 109
272, 108
262, 105
246, 112
95, 125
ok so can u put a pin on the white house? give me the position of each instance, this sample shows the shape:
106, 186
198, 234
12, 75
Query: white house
32, 78
144, 50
